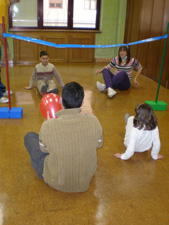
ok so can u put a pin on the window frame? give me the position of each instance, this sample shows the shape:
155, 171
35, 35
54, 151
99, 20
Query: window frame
70, 19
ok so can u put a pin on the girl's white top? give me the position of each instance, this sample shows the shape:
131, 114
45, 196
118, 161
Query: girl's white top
143, 140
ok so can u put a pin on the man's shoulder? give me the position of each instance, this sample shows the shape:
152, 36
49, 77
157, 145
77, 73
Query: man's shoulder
90, 117
48, 123
81, 116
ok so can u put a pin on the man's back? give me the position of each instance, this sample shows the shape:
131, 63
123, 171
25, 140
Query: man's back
71, 140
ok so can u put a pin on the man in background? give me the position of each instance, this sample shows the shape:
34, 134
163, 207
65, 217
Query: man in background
4, 7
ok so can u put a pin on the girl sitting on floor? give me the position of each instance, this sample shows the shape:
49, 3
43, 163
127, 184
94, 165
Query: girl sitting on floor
142, 133
121, 79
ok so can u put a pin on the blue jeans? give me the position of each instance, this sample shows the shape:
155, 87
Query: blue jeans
120, 81
31, 141
2, 87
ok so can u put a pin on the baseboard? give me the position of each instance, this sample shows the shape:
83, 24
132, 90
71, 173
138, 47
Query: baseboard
10, 62
103, 59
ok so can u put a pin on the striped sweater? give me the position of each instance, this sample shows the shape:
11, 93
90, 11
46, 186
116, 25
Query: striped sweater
71, 141
45, 73
133, 64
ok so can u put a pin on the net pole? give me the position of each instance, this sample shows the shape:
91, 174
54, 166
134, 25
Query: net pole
6, 62
161, 70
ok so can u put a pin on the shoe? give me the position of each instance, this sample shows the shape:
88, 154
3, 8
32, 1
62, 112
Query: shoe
111, 92
6, 93
4, 100
126, 117
100, 86
43, 94
43, 90
55, 91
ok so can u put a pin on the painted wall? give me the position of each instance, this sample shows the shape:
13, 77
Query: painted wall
112, 27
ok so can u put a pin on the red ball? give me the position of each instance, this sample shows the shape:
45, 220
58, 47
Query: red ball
50, 103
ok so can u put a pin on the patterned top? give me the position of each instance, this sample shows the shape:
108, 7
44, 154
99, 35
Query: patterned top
127, 68
45, 73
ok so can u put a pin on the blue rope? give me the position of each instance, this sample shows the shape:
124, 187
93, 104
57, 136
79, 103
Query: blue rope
47, 43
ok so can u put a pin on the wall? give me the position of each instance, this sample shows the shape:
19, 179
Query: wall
113, 15
28, 53
146, 19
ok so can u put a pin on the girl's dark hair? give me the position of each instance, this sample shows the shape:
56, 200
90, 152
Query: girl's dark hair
145, 117
127, 49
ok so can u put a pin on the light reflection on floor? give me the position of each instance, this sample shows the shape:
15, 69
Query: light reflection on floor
1, 213
24, 98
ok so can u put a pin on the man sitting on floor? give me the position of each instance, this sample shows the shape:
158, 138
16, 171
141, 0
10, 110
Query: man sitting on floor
64, 154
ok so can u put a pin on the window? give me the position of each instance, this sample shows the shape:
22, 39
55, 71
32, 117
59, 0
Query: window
58, 5
55, 3
51, 5
23, 14
55, 14
90, 4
